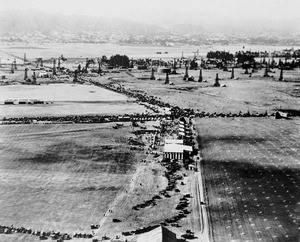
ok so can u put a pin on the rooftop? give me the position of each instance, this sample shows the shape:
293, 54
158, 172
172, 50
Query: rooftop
177, 148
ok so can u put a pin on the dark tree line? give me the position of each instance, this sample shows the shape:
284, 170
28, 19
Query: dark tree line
119, 60
220, 55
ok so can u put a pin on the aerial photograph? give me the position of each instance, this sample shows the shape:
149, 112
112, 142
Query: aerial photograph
150, 121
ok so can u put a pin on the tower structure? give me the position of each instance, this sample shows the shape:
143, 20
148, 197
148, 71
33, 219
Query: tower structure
232, 73
217, 84
152, 74
281, 74
54, 68
25, 74
186, 75
167, 81
200, 76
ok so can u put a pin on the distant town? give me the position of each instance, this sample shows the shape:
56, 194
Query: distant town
169, 39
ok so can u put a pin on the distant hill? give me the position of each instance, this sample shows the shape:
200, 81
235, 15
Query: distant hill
199, 22
16, 21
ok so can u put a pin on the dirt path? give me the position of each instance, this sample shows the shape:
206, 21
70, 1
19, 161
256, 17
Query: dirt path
199, 211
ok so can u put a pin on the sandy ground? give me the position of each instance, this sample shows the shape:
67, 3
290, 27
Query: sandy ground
57, 177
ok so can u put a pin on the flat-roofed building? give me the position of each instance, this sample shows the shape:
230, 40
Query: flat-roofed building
176, 151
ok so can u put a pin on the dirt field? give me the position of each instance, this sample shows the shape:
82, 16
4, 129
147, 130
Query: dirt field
251, 171
256, 94
57, 177
65, 99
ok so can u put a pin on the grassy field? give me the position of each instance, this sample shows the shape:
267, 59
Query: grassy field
58, 177
252, 176
256, 94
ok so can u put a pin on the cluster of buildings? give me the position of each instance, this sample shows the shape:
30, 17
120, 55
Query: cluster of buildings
181, 147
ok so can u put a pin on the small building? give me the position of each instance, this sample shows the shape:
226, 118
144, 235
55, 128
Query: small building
159, 234
176, 151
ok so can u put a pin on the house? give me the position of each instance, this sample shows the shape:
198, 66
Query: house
159, 234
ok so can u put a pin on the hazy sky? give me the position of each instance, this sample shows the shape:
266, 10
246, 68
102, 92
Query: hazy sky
271, 9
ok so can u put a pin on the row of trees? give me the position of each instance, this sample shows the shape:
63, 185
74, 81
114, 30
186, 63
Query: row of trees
220, 55
243, 56
116, 60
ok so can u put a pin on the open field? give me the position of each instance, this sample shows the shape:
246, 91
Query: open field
252, 176
57, 177
256, 94
66, 99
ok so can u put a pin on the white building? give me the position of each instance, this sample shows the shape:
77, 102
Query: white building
175, 151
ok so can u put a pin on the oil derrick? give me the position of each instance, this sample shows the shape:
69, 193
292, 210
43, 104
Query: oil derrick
152, 74
75, 76
25, 74
281, 74
54, 68
99, 67
12, 69
217, 84
167, 78
34, 78
174, 67
200, 76
266, 72
15, 64
232, 73
87, 62
186, 75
